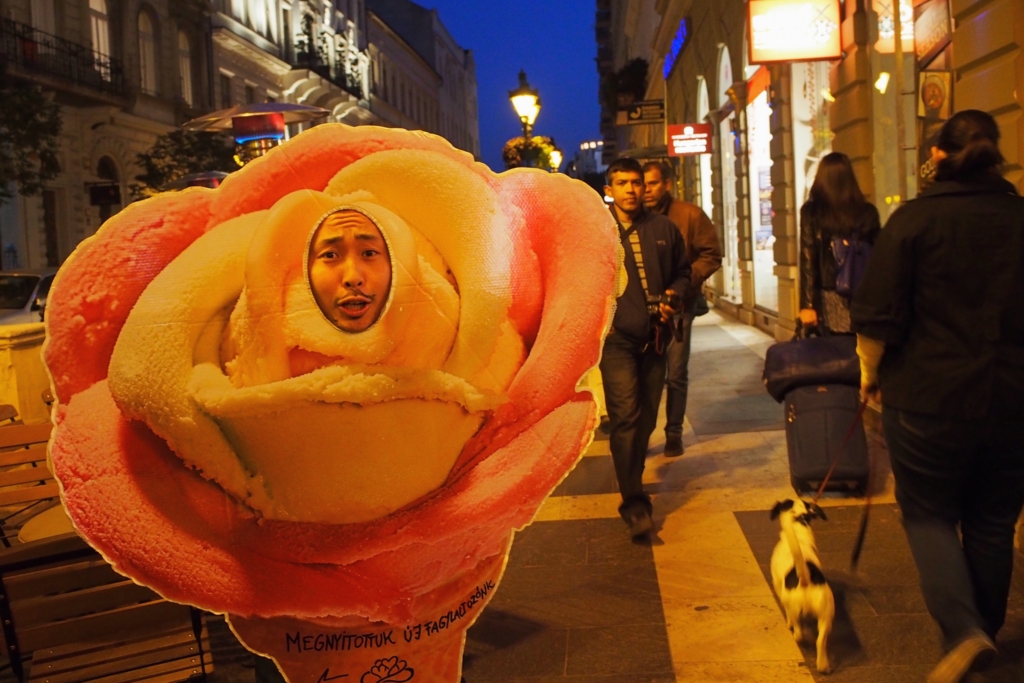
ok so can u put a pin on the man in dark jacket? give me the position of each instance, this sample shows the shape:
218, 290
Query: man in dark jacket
705, 255
633, 362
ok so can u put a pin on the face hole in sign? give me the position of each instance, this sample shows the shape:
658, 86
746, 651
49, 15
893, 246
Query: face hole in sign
348, 264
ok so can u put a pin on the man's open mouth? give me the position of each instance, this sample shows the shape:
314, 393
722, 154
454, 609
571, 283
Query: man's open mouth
354, 307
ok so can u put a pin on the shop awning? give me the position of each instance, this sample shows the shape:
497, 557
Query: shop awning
653, 152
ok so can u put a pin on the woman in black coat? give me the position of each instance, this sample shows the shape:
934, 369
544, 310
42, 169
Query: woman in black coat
836, 208
940, 325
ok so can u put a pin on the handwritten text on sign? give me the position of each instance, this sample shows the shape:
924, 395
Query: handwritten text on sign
326, 642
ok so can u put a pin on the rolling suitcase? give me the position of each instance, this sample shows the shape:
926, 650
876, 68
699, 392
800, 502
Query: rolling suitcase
818, 418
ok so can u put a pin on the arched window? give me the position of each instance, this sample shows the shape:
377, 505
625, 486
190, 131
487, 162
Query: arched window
147, 54
728, 151
185, 67
704, 161
100, 24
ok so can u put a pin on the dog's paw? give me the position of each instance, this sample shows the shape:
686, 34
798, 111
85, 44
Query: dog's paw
823, 665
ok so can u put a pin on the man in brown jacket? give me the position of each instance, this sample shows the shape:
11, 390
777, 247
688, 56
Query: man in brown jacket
705, 254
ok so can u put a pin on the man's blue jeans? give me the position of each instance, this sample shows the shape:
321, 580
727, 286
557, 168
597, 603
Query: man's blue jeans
966, 473
678, 358
634, 376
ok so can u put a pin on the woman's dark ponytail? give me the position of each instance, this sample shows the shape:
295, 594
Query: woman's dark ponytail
970, 140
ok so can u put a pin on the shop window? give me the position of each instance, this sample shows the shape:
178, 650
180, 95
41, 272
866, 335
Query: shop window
706, 195
759, 172
727, 154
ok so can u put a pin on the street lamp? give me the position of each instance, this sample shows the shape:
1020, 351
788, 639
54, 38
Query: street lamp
556, 160
526, 102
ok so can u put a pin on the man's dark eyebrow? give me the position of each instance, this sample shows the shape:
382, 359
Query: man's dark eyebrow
327, 241
368, 237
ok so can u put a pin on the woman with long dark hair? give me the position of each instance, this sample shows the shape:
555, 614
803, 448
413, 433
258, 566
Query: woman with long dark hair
836, 208
940, 326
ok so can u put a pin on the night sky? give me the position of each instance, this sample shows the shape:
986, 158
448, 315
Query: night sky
553, 40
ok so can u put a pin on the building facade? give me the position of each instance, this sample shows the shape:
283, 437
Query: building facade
123, 72
312, 52
412, 37
772, 123
126, 71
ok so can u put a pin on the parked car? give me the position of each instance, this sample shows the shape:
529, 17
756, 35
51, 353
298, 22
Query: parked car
23, 295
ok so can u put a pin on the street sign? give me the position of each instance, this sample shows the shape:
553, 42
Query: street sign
689, 139
647, 111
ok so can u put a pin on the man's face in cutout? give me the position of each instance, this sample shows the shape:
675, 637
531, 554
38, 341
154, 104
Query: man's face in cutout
350, 270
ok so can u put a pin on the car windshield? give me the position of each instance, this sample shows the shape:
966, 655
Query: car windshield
15, 290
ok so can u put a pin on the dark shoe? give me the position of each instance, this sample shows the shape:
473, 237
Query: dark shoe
976, 649
640, 524
673, 446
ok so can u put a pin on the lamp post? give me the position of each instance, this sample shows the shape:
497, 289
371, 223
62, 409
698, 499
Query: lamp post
526, 102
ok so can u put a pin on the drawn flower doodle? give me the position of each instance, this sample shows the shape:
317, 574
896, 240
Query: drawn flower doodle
390, 670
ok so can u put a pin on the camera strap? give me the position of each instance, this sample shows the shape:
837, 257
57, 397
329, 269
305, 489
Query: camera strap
633, 237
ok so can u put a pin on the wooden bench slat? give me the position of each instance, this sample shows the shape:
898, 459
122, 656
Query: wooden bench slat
97, 650
61, 579
28, 494
21, 435
54, 608
158, 674
20, 456
43, 553
181, 669
142, 620
25, 475
183, 653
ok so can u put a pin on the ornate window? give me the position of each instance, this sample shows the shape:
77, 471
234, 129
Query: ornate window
185, 68
147, 54
100, 24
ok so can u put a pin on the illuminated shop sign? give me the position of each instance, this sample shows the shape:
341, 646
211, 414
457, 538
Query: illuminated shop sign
932, 30
887, 25
793, 30
678, 43
689, 139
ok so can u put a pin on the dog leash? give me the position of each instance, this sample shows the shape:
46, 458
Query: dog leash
862, 531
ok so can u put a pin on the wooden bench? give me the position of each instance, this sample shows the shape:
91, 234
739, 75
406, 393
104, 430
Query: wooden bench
27, 486
79, 620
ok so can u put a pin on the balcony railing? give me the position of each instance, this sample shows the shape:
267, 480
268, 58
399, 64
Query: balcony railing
31, 50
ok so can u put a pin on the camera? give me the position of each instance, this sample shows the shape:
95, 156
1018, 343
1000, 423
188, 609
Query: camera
670, 299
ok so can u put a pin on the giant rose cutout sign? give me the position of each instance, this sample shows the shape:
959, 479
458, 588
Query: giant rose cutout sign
321, 398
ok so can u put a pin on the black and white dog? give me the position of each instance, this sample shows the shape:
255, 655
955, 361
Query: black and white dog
797, 576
